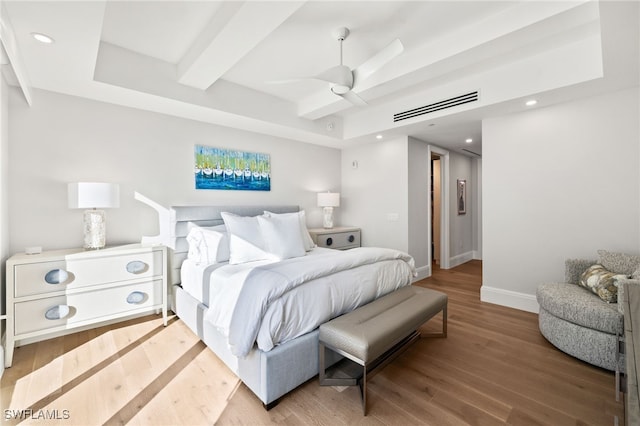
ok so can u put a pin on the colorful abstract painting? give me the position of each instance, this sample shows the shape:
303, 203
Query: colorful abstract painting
217, 168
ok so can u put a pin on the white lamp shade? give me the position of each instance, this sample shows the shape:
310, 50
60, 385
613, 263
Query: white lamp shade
93, 195
328, 199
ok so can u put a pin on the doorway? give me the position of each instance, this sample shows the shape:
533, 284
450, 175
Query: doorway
438, 208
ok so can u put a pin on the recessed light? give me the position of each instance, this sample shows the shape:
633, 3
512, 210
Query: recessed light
42, 38
469, 140
378, 136
531, 102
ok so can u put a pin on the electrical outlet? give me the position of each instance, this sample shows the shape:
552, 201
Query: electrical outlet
392, 217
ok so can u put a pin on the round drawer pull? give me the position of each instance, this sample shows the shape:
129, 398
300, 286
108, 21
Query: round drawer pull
56, 276
136, 298
137, 267
57, 312
351, 238
329, 241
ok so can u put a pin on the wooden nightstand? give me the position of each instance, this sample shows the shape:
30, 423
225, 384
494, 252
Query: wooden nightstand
54, 291
340, 238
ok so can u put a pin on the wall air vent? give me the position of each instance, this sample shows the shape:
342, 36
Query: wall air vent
471, 152
437, 106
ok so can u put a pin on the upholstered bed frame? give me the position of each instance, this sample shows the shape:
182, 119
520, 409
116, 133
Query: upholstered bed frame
270, 375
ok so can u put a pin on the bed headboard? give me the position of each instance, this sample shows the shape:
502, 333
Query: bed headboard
179, 216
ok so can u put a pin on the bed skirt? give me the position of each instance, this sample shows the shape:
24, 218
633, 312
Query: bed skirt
270, 375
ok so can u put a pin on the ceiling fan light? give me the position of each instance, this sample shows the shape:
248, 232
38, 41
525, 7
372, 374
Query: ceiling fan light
339, 89
42, 38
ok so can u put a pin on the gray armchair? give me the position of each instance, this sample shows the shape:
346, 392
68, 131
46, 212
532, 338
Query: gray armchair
581, 324
577, 321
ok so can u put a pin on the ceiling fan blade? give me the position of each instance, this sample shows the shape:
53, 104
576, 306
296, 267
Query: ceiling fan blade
340, 74
377, 61
289, 80
353, 98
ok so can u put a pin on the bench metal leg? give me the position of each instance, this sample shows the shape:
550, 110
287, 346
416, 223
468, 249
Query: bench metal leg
363, 390
444, 325
444, 321
340, 374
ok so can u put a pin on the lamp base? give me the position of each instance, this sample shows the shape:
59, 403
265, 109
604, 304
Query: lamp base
327, 217
94, 229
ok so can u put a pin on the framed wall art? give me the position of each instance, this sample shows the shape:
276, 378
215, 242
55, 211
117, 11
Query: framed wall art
462, 196
219, 168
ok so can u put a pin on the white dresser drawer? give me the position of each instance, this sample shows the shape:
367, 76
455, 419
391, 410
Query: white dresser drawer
45, 277
40, 314
55, 292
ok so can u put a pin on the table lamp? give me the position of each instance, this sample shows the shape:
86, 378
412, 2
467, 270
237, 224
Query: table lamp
94, 196
328, 200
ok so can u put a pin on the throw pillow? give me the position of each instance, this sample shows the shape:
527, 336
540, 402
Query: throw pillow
602, 282
619, 262
208, 244
245, 239
282, 236
306, 238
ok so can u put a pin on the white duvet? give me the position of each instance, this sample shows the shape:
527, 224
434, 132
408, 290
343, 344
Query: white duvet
271, 303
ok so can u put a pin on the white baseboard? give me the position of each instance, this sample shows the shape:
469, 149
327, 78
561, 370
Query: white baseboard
477, 255
423, 272
460, 259
511, 299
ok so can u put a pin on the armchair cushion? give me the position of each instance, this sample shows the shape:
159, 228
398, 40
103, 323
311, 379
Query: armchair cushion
602, 282
579, 306
573, 269
621, 263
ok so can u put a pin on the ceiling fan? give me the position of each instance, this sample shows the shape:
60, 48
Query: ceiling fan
343, 79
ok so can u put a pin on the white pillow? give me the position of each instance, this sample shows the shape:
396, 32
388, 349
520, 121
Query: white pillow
282, 236
194, 238
306, 238
208, 244
245, 239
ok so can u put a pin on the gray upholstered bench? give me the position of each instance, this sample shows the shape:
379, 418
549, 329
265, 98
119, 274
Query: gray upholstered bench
374, 334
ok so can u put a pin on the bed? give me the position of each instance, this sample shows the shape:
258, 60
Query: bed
271, 366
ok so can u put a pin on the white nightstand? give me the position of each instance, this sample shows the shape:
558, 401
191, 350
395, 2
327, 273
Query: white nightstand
340, 238
54, 291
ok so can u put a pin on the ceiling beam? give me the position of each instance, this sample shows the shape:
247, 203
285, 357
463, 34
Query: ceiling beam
232, 33
10, 45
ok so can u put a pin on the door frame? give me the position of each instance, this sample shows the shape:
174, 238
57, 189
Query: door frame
444, 206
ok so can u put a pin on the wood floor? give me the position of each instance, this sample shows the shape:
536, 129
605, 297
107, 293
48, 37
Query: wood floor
493, 368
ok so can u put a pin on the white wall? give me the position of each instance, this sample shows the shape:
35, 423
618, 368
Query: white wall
63, 139
476, 202
460, 225
558, 182
392, 178
375, 189
419, 193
